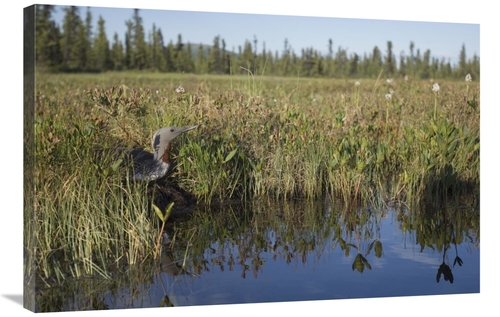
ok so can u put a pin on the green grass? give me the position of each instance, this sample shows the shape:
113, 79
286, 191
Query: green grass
259, 138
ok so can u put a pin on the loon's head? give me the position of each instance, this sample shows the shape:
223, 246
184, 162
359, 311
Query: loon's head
162, 140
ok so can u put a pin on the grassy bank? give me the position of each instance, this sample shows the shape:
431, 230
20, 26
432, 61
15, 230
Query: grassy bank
259, 138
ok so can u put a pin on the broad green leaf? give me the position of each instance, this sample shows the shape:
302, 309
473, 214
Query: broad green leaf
158, 211
358, 264
168, 211
230, 155
116, 165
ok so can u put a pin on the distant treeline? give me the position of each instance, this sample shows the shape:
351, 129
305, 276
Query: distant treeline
76, 47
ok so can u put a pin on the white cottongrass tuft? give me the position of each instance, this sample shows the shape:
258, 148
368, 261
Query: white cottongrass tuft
388, 96
435, 87
468, 78
180, 90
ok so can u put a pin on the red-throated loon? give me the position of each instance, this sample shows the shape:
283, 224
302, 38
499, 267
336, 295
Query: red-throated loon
152, 166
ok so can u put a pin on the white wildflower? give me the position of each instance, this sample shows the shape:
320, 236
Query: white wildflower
468, 78
389, 80
357, 83
435, 87
391, 91
180, 90
388, 96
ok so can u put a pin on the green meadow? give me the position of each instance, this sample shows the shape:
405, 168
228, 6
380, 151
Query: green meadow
367, 142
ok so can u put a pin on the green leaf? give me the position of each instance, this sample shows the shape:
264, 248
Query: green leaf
168, 211
158, 211
378, 249
230, 155
367, 265
358, 264
116, 165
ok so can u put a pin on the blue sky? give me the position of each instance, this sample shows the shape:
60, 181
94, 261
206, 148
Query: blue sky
356, 35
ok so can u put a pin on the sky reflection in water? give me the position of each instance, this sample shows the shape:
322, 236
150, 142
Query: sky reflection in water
326, 272
306, 251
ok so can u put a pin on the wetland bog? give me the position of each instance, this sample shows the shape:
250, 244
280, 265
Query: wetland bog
330, 176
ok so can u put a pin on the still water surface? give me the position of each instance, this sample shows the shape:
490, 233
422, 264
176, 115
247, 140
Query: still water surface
305, 251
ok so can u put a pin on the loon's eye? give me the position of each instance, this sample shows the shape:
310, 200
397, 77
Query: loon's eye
172, 130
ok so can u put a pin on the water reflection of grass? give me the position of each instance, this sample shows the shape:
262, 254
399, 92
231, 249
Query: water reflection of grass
254, 235
276, 142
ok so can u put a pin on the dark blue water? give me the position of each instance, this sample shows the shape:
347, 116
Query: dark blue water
302, 252
320, 268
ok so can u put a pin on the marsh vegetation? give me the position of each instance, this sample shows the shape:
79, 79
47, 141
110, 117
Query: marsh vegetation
373, 143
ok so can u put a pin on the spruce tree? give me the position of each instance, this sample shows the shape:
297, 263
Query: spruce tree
129, 47
179, 57
462, 62
101, 48
72, 40
353, 66
214, 59
200, 65
390, 65
47, 37
139, 42
87, 54
158, 51
188, 57
376, 66
117, 54
341, 67
246, 59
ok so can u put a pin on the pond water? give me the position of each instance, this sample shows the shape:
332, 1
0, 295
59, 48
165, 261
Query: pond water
266, 252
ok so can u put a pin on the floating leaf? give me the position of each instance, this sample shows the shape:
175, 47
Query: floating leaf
378, 249
358, 264
365, 262
446, 272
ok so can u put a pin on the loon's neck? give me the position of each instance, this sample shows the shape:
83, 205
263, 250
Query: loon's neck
165, 158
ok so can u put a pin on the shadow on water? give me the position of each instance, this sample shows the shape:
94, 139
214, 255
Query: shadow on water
267, 252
